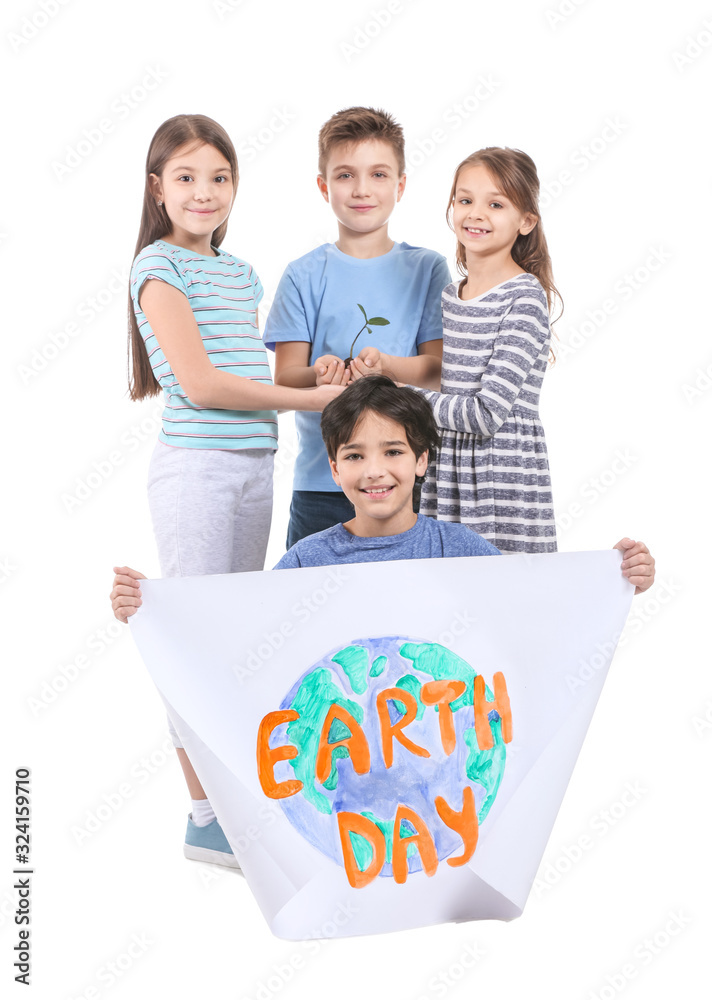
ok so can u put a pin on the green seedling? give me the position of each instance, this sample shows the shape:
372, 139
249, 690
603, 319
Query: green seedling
374, 321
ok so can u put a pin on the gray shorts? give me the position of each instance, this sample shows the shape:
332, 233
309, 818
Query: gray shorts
211, 510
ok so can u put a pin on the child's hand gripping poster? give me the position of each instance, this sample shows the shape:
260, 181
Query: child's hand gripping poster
386, 742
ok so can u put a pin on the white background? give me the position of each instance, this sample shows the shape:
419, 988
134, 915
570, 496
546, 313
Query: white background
624, 424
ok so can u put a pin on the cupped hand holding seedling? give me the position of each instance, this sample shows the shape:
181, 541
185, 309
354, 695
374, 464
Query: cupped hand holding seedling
330, 370
370, 361
374, 321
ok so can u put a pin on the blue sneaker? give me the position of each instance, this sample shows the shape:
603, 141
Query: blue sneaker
209, 844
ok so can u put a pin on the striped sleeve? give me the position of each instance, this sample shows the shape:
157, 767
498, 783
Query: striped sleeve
257, 289
153, 263
521, 341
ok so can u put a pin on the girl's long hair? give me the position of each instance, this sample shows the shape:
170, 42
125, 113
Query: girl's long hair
155, 224
516, 174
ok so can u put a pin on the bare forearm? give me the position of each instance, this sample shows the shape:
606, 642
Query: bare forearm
423, 369
297, 376
224, 391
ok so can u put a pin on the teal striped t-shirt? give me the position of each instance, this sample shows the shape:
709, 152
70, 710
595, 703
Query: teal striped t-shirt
223, 293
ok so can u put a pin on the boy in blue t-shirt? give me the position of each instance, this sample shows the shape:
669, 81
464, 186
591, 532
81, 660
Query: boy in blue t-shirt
319, 319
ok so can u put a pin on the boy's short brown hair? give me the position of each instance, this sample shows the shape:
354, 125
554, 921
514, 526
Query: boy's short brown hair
380, 394
359, 125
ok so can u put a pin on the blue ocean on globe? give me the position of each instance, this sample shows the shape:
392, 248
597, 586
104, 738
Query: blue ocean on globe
352, 676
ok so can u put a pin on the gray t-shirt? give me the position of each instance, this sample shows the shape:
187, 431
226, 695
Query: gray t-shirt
427, 539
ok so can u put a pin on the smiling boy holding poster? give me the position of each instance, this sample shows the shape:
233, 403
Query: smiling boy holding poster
379, 437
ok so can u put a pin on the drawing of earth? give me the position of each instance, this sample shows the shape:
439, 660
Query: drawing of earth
352, 676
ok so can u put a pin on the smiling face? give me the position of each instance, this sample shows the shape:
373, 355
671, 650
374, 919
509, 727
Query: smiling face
485, 221
362, 184
197, 191
376, 469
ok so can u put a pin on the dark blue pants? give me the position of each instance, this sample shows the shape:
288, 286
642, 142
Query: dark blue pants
314, 510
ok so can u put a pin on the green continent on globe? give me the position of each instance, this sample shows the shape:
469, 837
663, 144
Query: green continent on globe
411, 684
442, 665
486, 766
315, 696
354, 662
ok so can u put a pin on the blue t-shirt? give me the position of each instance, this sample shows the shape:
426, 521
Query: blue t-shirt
427, 539
317, 302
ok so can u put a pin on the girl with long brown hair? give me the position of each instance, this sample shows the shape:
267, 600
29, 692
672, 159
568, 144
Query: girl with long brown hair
492, 470
194, 336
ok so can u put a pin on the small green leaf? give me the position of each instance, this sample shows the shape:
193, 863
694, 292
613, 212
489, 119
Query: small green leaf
363, 311
369, 329
378, 321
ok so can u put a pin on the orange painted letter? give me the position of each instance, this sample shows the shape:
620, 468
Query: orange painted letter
485, 740
443, 693
355, 823
388, 731
465, 823
421, 838
356, 744
268, 757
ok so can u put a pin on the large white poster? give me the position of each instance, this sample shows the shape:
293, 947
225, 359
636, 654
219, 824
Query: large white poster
611, 100
388, 741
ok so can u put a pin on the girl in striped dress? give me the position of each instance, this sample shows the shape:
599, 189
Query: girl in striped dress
194, 336
492, 471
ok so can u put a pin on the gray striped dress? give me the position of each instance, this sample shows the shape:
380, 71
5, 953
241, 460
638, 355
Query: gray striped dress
492, 470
